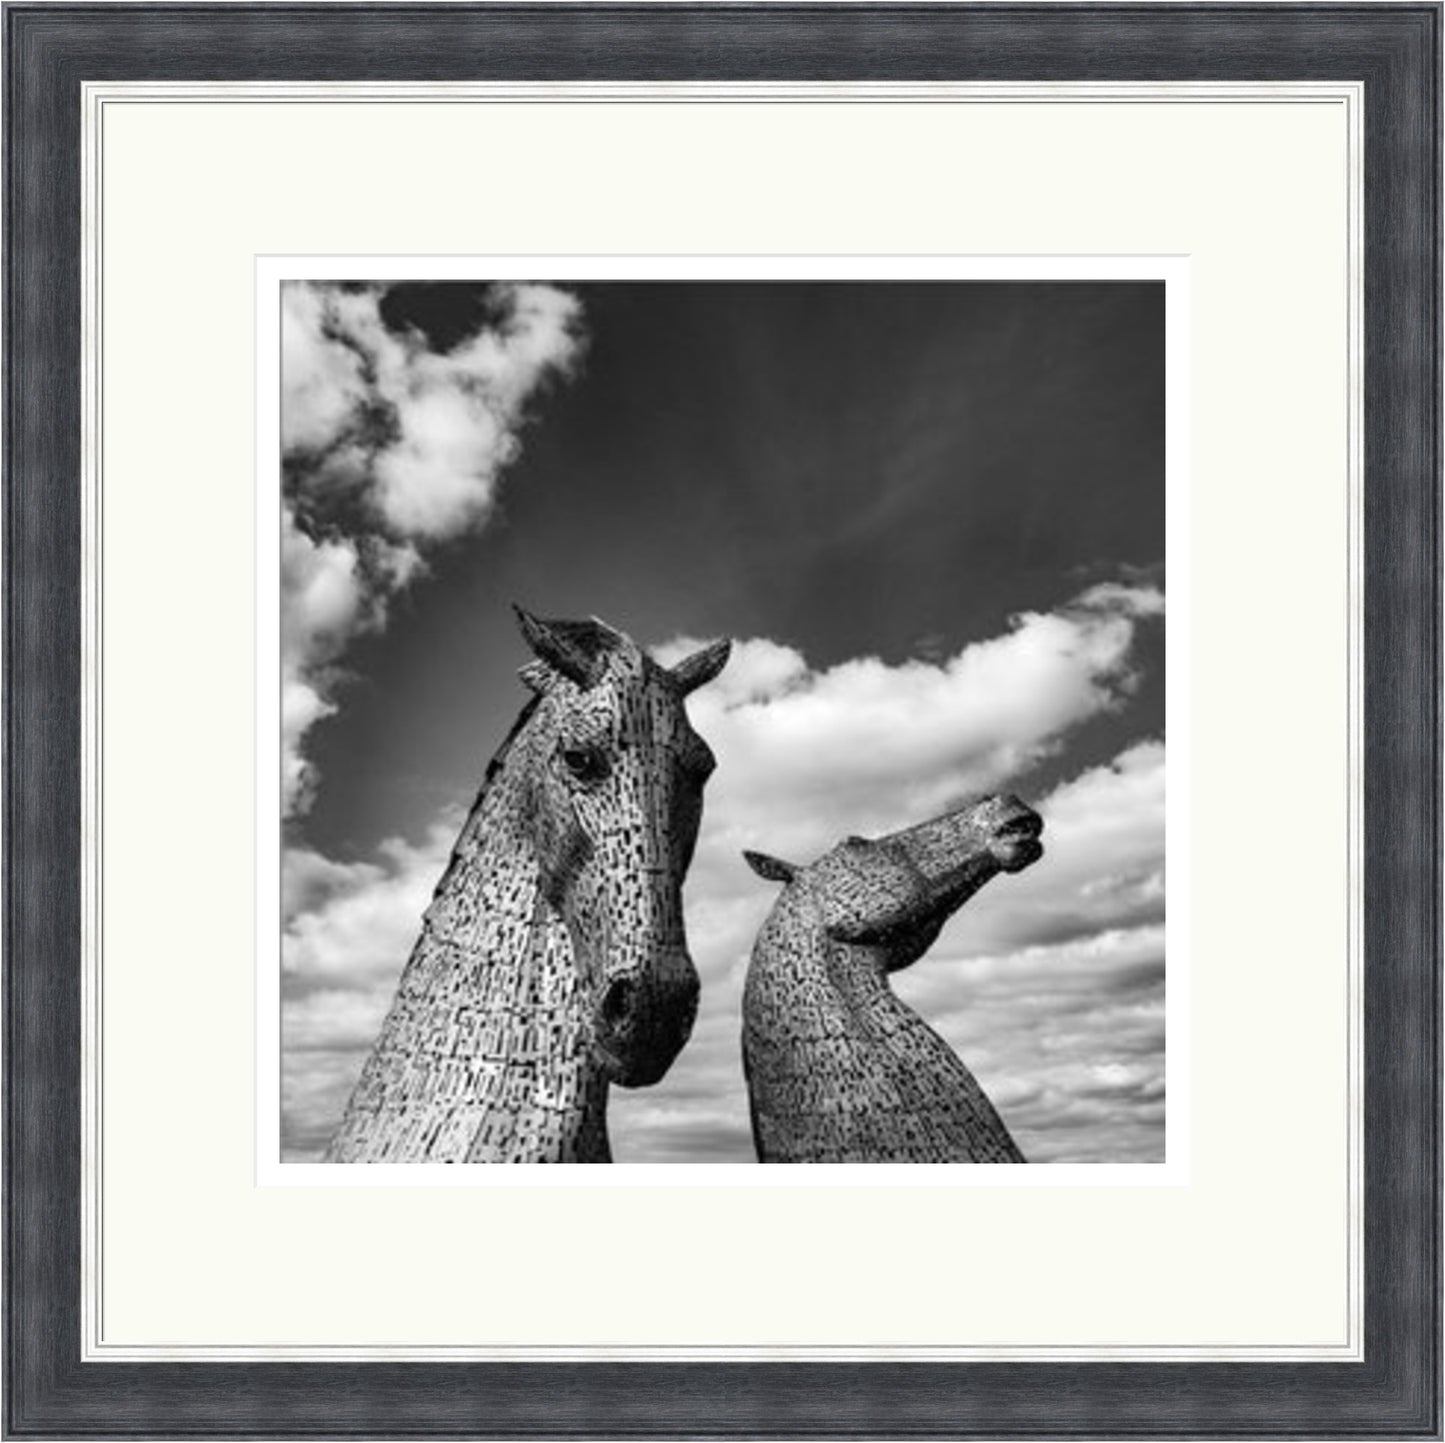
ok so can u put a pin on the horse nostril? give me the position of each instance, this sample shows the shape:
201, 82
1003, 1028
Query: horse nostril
617, 1001
1024, 823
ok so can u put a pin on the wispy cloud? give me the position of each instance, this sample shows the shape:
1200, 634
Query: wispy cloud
390, 448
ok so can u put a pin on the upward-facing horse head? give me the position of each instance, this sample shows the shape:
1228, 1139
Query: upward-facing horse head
613, 812
838, 1068
892, 895
552, 960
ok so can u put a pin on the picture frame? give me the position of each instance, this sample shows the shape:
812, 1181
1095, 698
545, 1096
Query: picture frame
1393, 1392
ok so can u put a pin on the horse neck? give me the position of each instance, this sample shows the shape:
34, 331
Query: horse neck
791, 977
820, 1018
485, 1055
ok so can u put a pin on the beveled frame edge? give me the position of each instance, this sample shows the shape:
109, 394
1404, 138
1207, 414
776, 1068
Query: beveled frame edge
1393, 49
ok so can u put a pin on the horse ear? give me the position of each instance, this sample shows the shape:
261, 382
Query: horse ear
608, 633
770, 869
557, 649
700, 668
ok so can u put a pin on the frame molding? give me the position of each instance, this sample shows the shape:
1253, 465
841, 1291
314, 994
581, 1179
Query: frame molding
1395, 50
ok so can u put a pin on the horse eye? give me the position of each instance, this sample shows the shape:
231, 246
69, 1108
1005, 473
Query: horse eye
587, 764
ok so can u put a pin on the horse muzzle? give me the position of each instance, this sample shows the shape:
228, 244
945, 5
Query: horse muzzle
1017, 828
643, 1018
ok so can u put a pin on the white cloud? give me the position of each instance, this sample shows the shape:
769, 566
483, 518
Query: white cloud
1039, 978
443, 422
806, 757
391, 448
1067, 1038
323, 603
348, 928
321, 378
1049, 983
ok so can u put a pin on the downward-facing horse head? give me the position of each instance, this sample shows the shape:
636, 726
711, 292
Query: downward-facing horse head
838, 1069
552, 960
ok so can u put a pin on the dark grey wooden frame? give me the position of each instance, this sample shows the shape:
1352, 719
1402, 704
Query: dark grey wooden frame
1395, 50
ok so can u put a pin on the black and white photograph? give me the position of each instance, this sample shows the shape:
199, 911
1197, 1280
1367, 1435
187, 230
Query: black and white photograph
723, 721
698, 588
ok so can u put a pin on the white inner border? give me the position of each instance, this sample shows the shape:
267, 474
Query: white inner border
271, 271
94, 97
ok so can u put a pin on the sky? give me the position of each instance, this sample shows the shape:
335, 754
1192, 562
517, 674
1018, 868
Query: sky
929, 515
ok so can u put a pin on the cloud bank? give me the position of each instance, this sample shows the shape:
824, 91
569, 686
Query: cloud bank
1050, 984
390, 448
348, 928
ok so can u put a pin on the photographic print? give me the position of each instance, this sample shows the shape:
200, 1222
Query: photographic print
723, 721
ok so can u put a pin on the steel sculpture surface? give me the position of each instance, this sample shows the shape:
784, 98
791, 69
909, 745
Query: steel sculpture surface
838, 1068
552, 960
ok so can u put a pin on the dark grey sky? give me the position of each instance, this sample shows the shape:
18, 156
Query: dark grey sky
862, 468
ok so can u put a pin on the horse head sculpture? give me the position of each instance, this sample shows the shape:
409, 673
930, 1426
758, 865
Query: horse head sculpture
613, 813
552, 960
838, 1068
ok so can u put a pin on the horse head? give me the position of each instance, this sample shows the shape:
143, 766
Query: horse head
838, 1067
893, 894
613, 812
